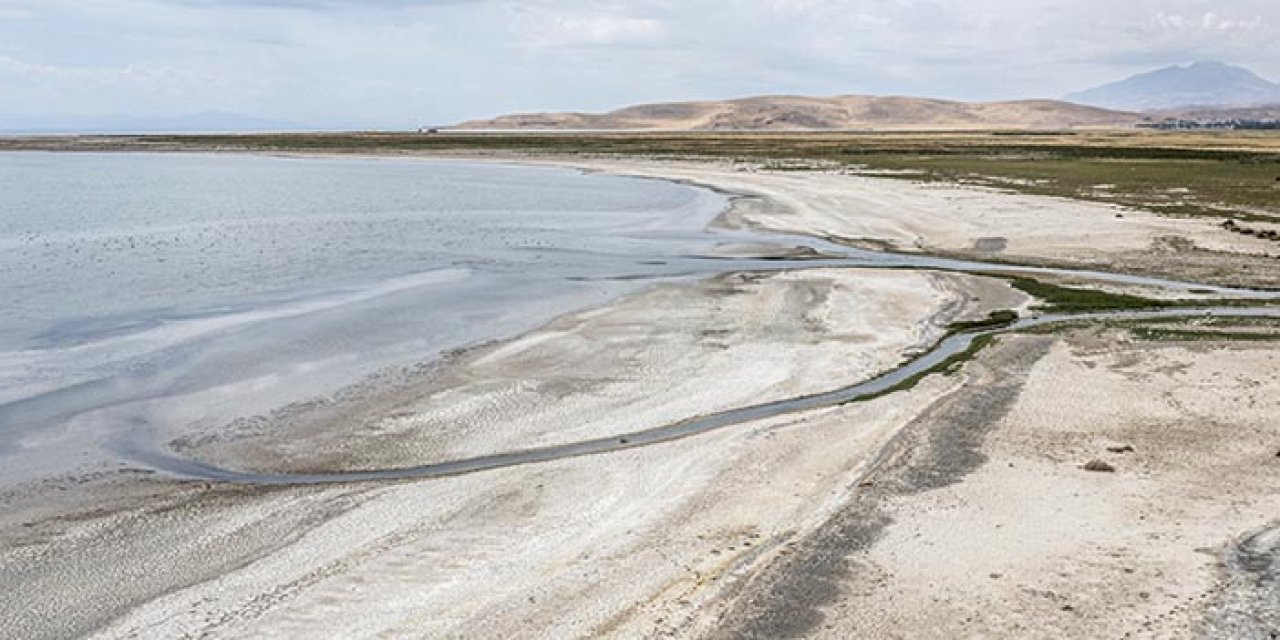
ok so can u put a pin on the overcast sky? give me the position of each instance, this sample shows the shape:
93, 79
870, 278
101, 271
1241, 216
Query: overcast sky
401, 63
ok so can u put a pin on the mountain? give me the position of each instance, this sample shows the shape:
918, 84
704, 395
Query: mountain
1202, 84
206, 121
790, 113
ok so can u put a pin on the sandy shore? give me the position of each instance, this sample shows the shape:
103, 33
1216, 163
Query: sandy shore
655, 358
459, 557
975, 222
957, 508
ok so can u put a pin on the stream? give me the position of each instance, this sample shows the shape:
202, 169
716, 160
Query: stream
163, 460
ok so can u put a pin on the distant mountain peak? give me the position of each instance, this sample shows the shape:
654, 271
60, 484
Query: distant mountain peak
1202, 84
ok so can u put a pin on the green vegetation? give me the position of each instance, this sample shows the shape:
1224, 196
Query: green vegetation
953, 363
1059, 299
1172, 184
1227, 174
947, 367
1073, 300
994, 320
1245, 328
1190, 335
1220, 322
1221, 176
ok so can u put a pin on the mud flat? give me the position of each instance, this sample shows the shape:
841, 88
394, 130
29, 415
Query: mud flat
508, 551
652, 359
976, 222
982, 521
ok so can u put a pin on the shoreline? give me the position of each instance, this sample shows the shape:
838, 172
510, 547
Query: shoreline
114, 495
1136, 241
145, 334
928, 361
203, 502
689, 534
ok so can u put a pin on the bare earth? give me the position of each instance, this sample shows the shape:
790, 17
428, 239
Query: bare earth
792, 113
661, 356
983, 524
976, 222
958, 508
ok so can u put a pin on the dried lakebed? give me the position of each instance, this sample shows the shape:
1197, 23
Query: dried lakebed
936, 359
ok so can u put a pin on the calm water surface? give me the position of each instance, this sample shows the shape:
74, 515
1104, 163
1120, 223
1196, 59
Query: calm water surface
151, 297
172, 293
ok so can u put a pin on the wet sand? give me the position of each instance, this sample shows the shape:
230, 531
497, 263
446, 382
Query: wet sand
983, 223
468, 552
964, 221
951, 509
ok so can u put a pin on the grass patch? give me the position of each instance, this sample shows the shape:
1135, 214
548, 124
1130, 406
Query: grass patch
1059, 299
1214, 174
1175, 329
1225, 322
1192, 335
1245, 329
994, 320
947, 367
1181, 184
1075, 300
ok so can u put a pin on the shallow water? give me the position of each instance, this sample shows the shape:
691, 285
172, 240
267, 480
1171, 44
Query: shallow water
92, 243
694, 426
172, 293
152, 297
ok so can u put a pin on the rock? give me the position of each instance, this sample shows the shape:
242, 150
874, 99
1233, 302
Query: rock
1098, 465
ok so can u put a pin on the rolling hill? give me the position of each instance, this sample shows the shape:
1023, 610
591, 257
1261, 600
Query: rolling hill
789, 113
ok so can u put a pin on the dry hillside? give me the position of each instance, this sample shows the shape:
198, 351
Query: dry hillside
802, 113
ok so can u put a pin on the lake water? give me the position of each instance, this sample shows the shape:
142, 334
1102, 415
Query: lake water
171, 293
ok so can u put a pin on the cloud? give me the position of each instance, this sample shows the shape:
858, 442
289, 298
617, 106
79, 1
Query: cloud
398, 63
602, 30
323, 5
604, 24
1208, 21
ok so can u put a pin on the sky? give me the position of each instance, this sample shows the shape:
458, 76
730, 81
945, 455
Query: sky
396, 64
